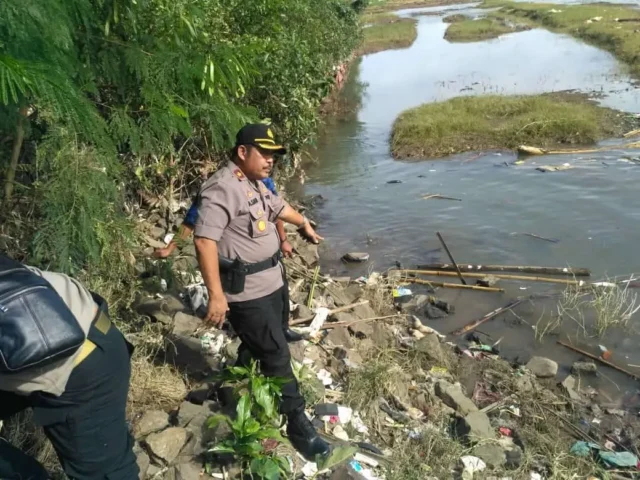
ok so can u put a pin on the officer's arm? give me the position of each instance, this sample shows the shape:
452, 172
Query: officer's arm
208, 259
289, 215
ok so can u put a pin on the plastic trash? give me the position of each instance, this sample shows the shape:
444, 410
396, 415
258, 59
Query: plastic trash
472, 464
321, 315
583, 449
535, 476
401, 292
372, 462
506, 431
618, 459
325, 377
163, 285
358, 424
309, 469
168, 238
345, 414
211, 343
340, 433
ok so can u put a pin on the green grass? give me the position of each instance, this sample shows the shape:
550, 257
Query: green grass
501, 122
619, 38
456, 17
470, 30
388, 35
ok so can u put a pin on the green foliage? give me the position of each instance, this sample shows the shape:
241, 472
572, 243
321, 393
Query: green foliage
126, 94
256, 415
496, 122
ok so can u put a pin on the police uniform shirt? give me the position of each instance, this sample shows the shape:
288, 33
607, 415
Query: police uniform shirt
240, 214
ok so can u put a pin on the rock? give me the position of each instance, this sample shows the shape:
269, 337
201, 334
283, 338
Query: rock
429, 344
143, 461
492, 454
153, 470
416, 302
434, 313
308, 252
231, 350
302, 312
186, 353
453, 397
157, 232
188, 471
184, 324
343, 317
381, 335
475, 427
584, 367
345, 280
151, 421
188, 411
364, 311
514, 457
542, 367
200, 393
342, 296
524, 384
160, 309
339, 337
488, 281
356, 257
569, 385
298, 350
346, 472
361, 329
167, 444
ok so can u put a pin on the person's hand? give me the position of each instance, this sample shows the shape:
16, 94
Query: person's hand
164, 252
311, 234
287, 249
216, 310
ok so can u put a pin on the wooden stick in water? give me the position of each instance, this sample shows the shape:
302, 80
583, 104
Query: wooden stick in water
469, 267
420, 281
476, 323
440, 273
599, 359
446, 249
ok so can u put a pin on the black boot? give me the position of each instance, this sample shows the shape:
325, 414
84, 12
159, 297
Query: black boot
304, 437
292, 335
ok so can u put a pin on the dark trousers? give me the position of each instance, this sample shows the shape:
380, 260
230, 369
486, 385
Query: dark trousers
259, 324
86, 424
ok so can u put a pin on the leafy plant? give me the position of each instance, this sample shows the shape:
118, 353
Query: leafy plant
256, 415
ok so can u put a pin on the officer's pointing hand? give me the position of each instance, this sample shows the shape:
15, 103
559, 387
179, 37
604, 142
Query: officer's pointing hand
311, 234
217, 311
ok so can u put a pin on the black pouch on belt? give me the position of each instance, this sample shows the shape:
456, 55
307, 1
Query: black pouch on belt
233, 274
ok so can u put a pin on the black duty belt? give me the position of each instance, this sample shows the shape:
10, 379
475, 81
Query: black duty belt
249, 268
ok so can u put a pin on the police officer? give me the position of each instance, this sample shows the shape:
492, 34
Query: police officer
80, 400
239, 254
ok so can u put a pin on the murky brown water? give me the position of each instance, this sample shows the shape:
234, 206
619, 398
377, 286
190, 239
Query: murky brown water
592, 210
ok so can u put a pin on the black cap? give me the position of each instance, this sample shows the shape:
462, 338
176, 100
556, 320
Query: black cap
259, 135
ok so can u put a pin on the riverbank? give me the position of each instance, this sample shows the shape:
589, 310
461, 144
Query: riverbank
377, 6
386, 31
503, 122
409, 400
475, 30
610, 27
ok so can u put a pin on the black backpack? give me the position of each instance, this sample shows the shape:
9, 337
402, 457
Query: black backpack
36, 326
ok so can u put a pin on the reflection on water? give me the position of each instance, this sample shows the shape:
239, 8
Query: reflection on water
593, 209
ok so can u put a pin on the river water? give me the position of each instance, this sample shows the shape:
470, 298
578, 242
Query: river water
593, 210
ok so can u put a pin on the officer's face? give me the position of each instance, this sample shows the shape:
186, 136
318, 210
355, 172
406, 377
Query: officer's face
255, 162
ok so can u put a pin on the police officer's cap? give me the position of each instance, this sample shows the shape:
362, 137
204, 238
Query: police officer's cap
259, 135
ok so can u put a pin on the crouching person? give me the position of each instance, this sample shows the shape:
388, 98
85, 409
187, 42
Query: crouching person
61, 356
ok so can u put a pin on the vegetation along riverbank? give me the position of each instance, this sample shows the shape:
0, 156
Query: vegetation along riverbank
610, 27
475, 30
503, 122
386, 31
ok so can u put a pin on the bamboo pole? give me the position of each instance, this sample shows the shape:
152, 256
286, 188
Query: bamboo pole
440, 273
468, 267
528, 150
599, 359
420, 281
331, 326
476, 323
446, 249
331, 312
